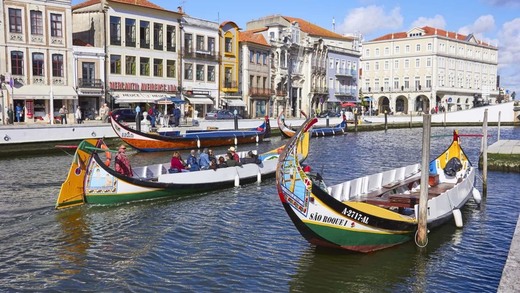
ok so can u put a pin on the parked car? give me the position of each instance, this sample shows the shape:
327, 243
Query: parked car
329, 113
124, 114
221, 114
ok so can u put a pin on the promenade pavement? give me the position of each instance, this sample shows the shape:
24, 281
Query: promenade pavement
507, 147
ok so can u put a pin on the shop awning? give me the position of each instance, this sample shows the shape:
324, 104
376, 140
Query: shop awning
43, 92
157, 96
132, 97
199, 99
235, 102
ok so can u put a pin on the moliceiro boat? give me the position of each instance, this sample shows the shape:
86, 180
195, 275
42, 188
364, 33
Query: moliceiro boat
289, 132
376, 211
92, 180
189, 139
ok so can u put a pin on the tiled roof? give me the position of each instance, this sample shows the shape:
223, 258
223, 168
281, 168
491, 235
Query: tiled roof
140, 3
428, 31
252, 36
315, 30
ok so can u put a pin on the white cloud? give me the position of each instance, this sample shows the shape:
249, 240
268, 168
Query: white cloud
483, 24
370, 19
437, 22
509, 54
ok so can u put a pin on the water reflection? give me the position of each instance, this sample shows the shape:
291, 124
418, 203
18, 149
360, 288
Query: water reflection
75, 240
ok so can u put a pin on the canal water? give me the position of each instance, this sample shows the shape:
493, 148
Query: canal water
241, 239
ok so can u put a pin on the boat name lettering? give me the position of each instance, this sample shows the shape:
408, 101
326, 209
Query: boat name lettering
127, 134
326, 219
355, 215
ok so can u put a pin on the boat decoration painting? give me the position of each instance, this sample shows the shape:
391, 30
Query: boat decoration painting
289, 132
376, 211
93, 180
189, 139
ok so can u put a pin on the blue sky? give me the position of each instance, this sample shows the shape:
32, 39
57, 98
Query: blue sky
493, 21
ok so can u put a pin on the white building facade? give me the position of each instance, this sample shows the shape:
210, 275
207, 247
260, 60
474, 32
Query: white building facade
428, 69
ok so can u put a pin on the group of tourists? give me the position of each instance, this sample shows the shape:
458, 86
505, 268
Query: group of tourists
207, 160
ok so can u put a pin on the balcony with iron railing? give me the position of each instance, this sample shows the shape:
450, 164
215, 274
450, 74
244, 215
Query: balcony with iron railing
319, 90
345, 92
346, 72
230, 86
260, 92
281, 93
90, 83
201, 54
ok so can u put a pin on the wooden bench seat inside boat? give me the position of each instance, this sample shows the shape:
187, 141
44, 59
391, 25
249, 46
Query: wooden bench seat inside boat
407, 200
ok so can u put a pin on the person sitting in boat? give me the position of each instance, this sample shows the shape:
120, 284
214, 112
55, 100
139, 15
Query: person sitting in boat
211, 155
204, 161
221, 162
176, 163
233, 151
122, 163
193, 161
213, 164
252, 157
231, 162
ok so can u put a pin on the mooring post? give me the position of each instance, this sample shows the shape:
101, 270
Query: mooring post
355, 121
484, 154
422, 229
386, 120
444, 118
235, 118
498, 135
327, 119
411, 119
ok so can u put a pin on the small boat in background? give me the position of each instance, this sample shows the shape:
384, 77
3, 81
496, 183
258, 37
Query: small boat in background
190, 139
91, 179
376, 211
289, 132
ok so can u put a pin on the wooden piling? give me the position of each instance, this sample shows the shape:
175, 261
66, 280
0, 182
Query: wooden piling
484, 154
386, 120
422, 229
355, 121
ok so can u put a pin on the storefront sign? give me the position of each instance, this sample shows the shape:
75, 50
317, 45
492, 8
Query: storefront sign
134, 86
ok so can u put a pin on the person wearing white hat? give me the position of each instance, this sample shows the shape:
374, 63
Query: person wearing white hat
232, 150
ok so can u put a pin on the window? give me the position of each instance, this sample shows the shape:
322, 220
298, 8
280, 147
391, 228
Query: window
228, 45
144, 66
367, 52
57, 65
211, 45
396, 64
264, 56
158, 36
171, 39
144, 34
386, 65
406, 82
115, 30
257, 57
115, 64
396, 83
386, 84
36, 22
158, 67
56, 25
37, 64
367, 66
200, 43
211, 73
418, 48
428, 62
17, 63
251, 56
428, 82
130, 37
429, 46
376, 67
331, 63
188, 71
406, 63
170, 68
15, 20
387, 50
377, 51
397, 49
130, 65
227, 77
417, 83
200, 72
417, 62
407, 49
188, 40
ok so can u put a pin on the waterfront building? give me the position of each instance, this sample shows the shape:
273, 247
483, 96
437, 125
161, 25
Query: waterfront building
255, 68
140, 41
299, 69
427, 68
89, 74
230, 94
200, 65
36, 58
